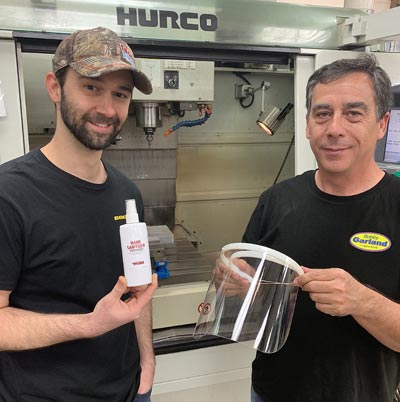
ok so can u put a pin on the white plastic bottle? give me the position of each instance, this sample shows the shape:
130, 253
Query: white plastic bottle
135, 248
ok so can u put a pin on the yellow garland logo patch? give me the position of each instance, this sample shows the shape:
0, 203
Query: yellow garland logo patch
370, 241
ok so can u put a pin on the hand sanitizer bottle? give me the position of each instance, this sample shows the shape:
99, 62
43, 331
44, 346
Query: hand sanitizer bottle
135, 248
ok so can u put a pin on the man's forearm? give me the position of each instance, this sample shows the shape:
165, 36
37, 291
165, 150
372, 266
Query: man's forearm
144, 332
379, 316
24, 330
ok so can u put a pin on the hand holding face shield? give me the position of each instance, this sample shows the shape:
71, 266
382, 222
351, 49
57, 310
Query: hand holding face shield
234, 278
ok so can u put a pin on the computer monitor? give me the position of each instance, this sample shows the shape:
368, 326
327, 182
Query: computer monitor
387, 151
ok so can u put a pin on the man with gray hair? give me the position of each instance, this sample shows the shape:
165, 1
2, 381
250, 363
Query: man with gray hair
71, 328
343, 222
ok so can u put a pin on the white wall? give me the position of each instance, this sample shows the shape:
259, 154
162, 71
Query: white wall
11, 129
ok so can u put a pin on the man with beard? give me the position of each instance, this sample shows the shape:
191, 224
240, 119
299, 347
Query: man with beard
71, 329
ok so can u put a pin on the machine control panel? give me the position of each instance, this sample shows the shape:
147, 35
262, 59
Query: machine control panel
177, 80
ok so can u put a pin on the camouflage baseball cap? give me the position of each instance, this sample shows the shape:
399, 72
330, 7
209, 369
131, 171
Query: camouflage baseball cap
97, 51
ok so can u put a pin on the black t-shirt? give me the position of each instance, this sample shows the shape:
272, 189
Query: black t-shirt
60, 253
330, 359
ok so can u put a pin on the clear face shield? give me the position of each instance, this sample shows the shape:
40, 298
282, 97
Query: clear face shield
251, 297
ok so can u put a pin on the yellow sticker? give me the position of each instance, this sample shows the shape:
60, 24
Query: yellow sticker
370, 241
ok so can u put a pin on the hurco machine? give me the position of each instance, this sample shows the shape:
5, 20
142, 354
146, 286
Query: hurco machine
222, 72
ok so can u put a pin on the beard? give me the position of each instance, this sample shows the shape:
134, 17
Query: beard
76, 123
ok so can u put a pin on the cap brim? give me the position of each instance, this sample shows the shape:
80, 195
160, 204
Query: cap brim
141, 82
91, 68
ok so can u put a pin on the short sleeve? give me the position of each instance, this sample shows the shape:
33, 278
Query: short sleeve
257, 223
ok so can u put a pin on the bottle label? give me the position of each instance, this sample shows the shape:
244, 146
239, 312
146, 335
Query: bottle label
135, 254
136, 245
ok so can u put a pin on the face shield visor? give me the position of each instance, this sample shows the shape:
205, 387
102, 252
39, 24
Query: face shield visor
251, 297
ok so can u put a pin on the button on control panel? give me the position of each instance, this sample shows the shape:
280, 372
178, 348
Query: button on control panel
171, 79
